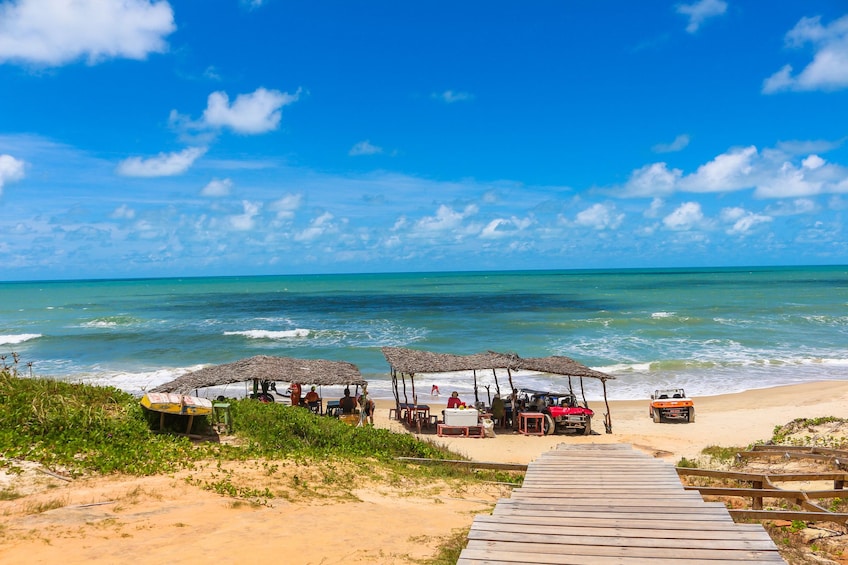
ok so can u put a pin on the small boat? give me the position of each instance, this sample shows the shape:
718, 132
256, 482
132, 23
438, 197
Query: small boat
176, 404
179, 404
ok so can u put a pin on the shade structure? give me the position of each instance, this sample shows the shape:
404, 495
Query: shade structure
268, 368
409, 362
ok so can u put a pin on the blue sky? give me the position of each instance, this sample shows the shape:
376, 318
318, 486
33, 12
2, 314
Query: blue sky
177, 138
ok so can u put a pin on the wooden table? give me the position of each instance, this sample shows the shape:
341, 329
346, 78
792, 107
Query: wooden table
531, 423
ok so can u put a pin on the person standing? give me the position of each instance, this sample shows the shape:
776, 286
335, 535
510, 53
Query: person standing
295, 394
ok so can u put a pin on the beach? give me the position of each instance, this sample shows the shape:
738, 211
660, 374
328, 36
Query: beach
167, 519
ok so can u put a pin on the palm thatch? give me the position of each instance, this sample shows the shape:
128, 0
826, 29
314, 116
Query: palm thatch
266, 368
412, 361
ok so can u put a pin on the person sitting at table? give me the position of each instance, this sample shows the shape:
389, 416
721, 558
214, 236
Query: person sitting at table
347, 404
454, 401
312, 400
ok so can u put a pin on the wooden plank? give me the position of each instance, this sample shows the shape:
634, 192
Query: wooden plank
640, 514
524, 553
621, 541
691, 536
641, 521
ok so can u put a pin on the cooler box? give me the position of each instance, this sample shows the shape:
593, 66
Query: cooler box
457, 417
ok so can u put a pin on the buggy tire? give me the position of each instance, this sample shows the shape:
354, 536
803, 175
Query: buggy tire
549, 426
657, 417
587, 430
691, 415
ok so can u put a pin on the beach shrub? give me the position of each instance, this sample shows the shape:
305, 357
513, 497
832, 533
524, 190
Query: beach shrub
275, 430
77, 427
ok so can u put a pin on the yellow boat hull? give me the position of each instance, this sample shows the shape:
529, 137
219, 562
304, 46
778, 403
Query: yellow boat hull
176, 404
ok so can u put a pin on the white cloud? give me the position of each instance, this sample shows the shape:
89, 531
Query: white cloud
788, 181
11, 169
502, 227
55, 32
317, 227
449, 96
742, 220
600, 217
123, 212
729, 171
680, 142
286, 206
829, 68
257, 112
813, 162
654, 209
701, 11
217, 188
652, 180
246, 220
446, 218
163, 165
687, 216
364, 148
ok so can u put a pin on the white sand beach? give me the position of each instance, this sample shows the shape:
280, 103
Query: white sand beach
165, 519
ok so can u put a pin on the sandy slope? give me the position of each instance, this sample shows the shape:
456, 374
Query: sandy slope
363, 520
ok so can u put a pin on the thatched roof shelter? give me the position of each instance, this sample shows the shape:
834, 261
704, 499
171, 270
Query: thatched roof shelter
266, 368
409, 362
412, 361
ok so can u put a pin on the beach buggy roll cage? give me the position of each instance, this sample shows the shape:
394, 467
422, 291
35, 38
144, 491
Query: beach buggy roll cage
407, 362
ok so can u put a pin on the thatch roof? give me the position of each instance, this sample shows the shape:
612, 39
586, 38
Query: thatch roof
267, 368
412, 361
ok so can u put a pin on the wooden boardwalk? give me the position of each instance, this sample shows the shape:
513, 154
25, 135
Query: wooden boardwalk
599, 504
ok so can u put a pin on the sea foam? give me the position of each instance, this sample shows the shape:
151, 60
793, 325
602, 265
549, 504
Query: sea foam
14, 339
268, 334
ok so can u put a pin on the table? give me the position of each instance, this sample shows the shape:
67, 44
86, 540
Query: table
531, 423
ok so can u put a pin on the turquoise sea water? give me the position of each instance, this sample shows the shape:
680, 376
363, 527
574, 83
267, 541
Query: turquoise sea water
708, 330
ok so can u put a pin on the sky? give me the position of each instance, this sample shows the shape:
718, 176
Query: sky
145, 138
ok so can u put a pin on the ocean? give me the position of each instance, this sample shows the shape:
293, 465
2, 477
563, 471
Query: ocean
710, 331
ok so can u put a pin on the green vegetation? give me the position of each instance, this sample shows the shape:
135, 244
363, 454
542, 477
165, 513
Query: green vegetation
724, 455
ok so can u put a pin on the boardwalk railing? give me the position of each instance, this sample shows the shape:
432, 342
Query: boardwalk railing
608, 503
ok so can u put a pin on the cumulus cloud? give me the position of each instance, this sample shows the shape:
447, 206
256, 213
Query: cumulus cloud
687, 216
449, 96
11, 169
790, 181
699, 12
680, 142
502, 227
257, 112
364, 148
317, 227
123, 212
446, 218
652, 180
163, 165
217, 188
286, 206
247, 219
829, 68
728, 171
741, 220
600, 217
55, 32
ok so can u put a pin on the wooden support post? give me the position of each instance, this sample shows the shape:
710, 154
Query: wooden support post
757, 501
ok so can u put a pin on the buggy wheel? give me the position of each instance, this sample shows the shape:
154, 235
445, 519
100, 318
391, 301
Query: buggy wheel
549, 426
587, 430
692, 415
657, 417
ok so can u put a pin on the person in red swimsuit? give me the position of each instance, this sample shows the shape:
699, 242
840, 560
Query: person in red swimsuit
454, 401
295, 394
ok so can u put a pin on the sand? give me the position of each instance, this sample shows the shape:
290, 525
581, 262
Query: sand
171, 519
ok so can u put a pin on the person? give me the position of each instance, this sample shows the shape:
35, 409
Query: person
434, 391
366, 407
346, 403
295, 394
312, 400
454, 401
499, 410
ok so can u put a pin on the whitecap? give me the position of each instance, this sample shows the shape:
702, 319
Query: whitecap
14, 339
268, 334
